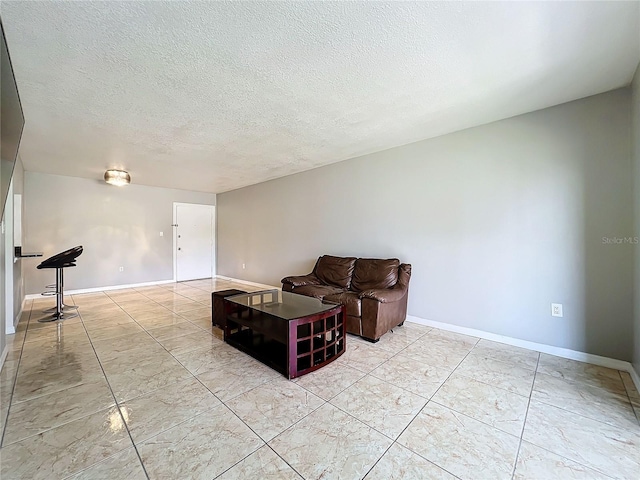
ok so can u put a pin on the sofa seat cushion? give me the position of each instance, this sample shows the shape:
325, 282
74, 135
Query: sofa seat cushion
349, 299
335, 271
371, 273
317, 291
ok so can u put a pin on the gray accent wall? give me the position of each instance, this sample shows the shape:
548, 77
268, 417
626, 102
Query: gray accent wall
635, 138
498, 221
117, 226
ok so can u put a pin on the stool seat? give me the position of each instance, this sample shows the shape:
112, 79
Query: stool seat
63, 265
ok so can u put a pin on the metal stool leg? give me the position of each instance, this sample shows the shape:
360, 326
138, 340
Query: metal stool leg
60, 286
59, 292
58, 313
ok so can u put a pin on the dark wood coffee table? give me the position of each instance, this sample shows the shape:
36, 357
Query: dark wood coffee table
291, 333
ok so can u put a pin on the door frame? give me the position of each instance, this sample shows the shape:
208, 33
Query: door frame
214, 242
9, 259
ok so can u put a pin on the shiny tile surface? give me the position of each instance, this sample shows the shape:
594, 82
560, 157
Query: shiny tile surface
125, 464
385, 407
491, 405
363, 356
400, 463
202, 447
535, 463
412, 375
509, 375
272, 407
264, 464
48, 411
591, 443
608, 405
69, 448
329, 443
438, 351
188, 343
159, 410
461, 445
143, 378
232, 379
329, 381
141, 386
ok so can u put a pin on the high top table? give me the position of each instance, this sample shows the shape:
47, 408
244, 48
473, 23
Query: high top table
291, 333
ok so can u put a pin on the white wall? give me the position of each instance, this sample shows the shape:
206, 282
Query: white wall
14, 273
117, 226
635, 137
499, 221
18, 280
3, 313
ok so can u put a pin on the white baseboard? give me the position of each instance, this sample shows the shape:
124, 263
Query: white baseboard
539, 347
19, 316
247, 282
10, 328
33, 296
635, 377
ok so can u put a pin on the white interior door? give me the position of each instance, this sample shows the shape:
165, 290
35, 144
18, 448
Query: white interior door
194, 243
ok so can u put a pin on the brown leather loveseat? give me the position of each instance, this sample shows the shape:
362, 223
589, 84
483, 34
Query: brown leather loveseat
375, 291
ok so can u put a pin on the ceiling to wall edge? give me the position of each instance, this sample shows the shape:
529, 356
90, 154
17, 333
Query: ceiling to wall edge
100, 180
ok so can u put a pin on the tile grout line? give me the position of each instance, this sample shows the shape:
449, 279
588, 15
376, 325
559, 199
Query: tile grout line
429, 400
364, 374
582, 415
544, 448
29, 321
117, 406
280, 457
452, 372
524, 424
15, 379
635, 411
325, 401
192, 375
254, 432
394, 355
117, 403
237, 416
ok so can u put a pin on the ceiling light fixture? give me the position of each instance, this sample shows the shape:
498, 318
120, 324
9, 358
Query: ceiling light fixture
117, 177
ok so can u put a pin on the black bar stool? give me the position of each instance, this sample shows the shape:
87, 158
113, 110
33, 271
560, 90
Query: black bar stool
60, 261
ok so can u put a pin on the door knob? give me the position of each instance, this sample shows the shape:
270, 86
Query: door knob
179, 248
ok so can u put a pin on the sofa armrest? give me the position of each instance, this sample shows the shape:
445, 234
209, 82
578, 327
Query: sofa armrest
302, 280
385, 295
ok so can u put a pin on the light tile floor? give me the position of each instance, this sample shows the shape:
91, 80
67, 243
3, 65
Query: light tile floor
141, 386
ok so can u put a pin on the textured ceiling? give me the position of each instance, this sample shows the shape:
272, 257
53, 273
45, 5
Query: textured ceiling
212, 96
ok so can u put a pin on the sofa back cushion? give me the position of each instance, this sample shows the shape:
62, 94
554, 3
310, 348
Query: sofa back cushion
370, 273
335, 270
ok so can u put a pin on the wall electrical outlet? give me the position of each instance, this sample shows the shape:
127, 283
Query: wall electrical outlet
122, 269
162, 234
556, 310
243, 266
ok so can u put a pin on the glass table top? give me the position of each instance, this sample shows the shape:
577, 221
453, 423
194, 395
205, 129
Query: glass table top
285, 305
